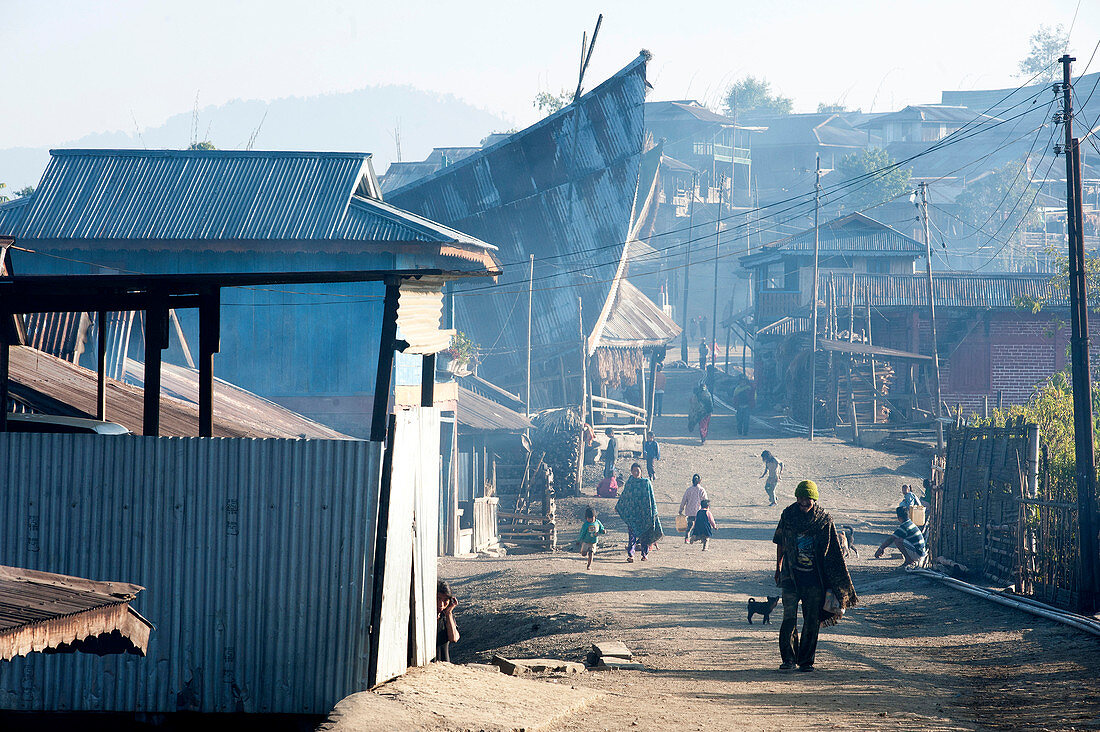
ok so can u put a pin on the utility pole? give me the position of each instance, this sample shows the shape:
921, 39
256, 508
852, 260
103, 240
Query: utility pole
530, 293
932, 316
1084, 456
813, 303
687, 270
714, 304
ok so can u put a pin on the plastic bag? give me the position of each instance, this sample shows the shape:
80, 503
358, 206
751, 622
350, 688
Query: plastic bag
832, 604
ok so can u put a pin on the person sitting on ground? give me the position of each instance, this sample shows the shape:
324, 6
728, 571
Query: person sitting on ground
703, 527
608, 487
590, 535
610, 454
809, 568
908, 497
691, 502
651, 451
446, 630
908, 538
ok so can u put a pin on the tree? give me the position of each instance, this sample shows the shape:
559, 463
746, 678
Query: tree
204, 145
24, 191
548, 103
999, 204
754, 96
1047, 45
3, 198
873, 179
835, 108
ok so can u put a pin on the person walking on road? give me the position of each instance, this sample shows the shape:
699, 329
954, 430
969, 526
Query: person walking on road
704, 354
809, 569
774, 470
744, 401
699, 410
659, 391
637, 507
692, 502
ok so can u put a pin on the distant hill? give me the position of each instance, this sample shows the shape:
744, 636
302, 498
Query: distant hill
362, 120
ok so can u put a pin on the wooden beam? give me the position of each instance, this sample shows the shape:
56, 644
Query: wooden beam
5, 358
387, 345
156, 340
101, 365
209, 344
427, 380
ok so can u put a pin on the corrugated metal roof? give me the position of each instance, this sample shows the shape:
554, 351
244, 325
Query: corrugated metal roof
481, 413
563, 189
51, 385
951, 289
810, 129
687, 109
43, 610
852, 234
215, 195
635, 321
12, 212
929, 113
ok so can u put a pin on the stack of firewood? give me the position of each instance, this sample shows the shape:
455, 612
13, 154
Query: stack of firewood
557, 435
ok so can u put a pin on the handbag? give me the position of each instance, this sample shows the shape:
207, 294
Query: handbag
681, 522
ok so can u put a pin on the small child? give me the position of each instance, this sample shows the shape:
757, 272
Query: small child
704, 525
590, 534
651, 451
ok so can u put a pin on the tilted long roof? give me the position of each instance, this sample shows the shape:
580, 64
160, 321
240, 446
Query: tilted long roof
565, 190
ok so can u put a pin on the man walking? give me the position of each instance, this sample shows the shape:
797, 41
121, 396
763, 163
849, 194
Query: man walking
659, 391
810, 570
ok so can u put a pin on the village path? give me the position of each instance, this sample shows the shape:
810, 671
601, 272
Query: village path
912, 655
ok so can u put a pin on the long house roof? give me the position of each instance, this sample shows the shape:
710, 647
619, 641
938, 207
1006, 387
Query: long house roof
267, 199
564, 189
851, 235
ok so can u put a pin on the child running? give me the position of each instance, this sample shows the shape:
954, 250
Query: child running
774, 470
704, 525
590, 535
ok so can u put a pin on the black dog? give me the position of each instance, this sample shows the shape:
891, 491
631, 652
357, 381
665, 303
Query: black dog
762, 607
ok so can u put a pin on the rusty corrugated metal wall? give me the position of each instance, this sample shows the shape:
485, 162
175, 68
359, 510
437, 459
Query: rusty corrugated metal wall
256, 557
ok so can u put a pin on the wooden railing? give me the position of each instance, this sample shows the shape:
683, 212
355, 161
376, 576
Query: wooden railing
626, 416
771, 305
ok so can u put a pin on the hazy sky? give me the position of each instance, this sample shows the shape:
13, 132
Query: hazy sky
71, 68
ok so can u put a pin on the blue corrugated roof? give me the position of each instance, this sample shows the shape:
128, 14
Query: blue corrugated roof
951, 289
214, 195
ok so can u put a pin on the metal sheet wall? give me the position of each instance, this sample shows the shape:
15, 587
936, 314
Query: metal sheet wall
255, 554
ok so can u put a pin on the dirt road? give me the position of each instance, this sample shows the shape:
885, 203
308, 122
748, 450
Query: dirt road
912, 655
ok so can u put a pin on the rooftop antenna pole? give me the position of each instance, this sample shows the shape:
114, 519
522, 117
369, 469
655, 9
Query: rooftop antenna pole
1084, 457
586, 57
813, 302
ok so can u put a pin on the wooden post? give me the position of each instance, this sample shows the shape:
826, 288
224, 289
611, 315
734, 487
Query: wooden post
985, 406
1000, 399
728, 329
101, 366
5, 367
427, 380
652, 389
387, 345
156, 340
209, 344
852, 416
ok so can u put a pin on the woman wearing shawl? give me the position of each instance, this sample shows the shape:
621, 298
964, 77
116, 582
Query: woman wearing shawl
638, 509
699, 409
810, 569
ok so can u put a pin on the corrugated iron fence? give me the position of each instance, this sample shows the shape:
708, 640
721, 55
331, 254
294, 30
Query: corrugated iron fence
256, 556
1000, 513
